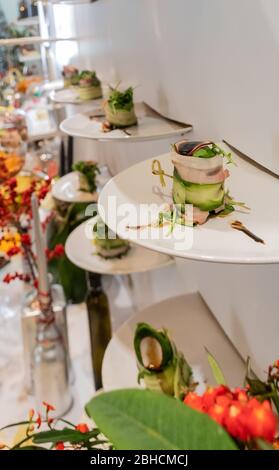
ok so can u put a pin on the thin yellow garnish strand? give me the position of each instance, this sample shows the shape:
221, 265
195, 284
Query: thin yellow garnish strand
159, 172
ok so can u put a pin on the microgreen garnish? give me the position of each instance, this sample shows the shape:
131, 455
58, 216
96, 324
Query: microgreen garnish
121, 100
212, 151
90, 77
90, 171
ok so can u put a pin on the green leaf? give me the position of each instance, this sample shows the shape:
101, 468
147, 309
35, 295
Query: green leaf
72, 278
143, 420
275, 396
90, 171
66, 273
20, 423
30, 448
257, 387
63, 435
121, 100
216, 369
204, 152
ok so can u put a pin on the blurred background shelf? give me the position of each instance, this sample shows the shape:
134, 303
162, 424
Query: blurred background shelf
38, 40
32, 57
30, 21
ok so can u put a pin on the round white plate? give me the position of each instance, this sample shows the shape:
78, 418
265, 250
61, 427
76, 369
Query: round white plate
149, 127
214, 241
70, 96
52, 86
67, 189
81, 251
192, 327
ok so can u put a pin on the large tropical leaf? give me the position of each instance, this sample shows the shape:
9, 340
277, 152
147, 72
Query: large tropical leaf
144, 420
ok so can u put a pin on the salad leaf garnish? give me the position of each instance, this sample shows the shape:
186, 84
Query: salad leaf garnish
90, 76
90, 171
212, 151
121, 100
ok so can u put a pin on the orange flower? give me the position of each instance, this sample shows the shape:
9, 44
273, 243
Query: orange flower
218, 413
241, 395
194, 401
262, 422
13, 251
82, 427
39, 421
211, 394
236, 422
243, 417
48, 407
31, 414
59, 446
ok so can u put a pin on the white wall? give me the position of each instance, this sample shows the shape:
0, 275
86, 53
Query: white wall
213, 63
10, 9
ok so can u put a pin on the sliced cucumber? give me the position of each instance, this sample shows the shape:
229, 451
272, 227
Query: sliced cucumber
206, 197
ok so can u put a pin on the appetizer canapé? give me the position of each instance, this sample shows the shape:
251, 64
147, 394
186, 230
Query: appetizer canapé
199, 177
107, 244
70, 75
89, 86
88, 172
119, 108
160, 365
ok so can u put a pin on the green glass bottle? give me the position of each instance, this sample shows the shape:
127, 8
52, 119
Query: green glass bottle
99, 324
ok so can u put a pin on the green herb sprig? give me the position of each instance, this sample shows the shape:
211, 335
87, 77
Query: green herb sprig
87, 75
90, 171
121, 100
213, 150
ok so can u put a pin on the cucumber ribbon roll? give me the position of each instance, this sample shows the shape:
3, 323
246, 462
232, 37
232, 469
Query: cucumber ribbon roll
160, 365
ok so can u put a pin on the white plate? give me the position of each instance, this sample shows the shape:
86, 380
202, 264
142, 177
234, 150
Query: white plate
214, 241
81, 251
191, 325
69, 96
150, 126
67, 187
52, 86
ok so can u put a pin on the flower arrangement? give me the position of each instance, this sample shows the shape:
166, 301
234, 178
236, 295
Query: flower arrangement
16, 224
73, 437
243, 416
219, 419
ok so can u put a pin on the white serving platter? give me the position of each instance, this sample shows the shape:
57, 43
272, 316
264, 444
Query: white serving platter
192, 327
67, 188
151, 125
214, 241
81, 251
70, 96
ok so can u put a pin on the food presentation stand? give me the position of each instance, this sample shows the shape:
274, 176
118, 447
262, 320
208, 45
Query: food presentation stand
204, 293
